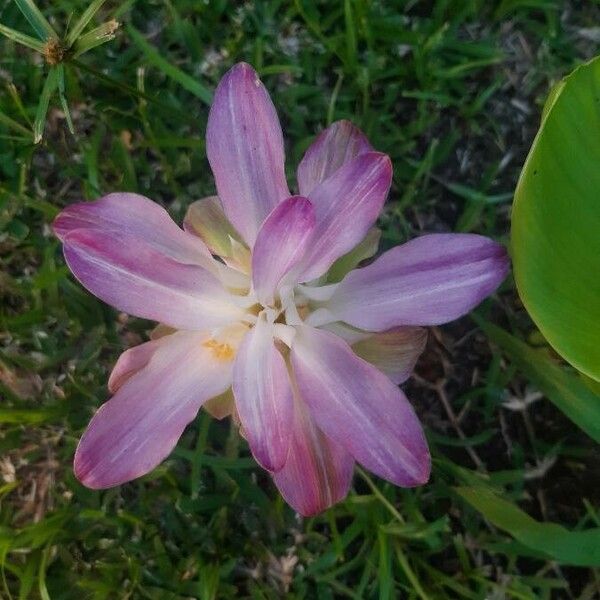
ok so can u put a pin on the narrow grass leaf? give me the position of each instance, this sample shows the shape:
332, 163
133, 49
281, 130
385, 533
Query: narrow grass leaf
29, 416
566, 390
12, 124
96, 37
33, 14
171, 71
42, 109
21, 38
351, 45
577, 548
63, 99
82, 22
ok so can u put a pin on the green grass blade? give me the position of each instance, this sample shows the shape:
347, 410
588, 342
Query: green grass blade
577, 548
351, 44
156, 59
29, 416
82, 22
22, 38
11, 123
33, 14
16, 98
98, 36
566, 390
63, 99
42, 109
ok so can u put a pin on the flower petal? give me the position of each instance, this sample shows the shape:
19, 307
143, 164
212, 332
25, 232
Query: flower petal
206, 219
360, 408
394, 352
135, 278
134, 215
263, 396
138, 427
281, 244
346, 332
427, 281
333, 147
244, 145
130, 362
347, 205
318, 471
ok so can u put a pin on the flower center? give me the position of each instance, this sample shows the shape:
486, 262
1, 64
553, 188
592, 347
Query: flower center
220, 350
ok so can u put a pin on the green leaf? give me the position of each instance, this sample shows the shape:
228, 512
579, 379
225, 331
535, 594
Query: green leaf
155, 58
566, 390
63, 98
556, 221
96, 37
11, 123
30, 416
40, 116
21, 38
365, 249
36, 18
577, 548
82, 22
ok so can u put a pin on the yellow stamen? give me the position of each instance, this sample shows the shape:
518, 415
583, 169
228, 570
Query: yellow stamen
220, 350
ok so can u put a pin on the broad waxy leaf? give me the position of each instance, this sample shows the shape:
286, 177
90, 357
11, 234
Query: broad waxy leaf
556, 221
579, 548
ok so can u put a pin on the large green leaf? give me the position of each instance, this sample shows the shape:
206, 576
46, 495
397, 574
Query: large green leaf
556, 221
580, 548
570, 393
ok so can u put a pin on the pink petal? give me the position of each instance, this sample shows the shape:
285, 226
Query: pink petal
427, 281
333, 147
394, 352
346, 204
138, 427
134, 215
359, 407
130, 362
263, 396
244, 145
280, 245
135, 278
318, 471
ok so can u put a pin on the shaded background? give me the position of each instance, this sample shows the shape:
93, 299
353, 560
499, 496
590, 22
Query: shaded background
452, 91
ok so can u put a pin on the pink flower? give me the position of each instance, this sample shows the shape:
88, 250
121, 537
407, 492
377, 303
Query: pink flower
313, 359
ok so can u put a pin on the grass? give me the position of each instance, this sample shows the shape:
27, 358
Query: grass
453, 92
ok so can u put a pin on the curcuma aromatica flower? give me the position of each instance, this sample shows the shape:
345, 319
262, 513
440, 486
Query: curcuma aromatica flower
263, 315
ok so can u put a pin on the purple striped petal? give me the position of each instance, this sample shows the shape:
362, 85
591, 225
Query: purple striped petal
360, 408
134, 216
318, 471
263, 396
333, 147
427, 281
130, 362
135, 278
138, 427
394, 352
244, 145
346, 204
280, 245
